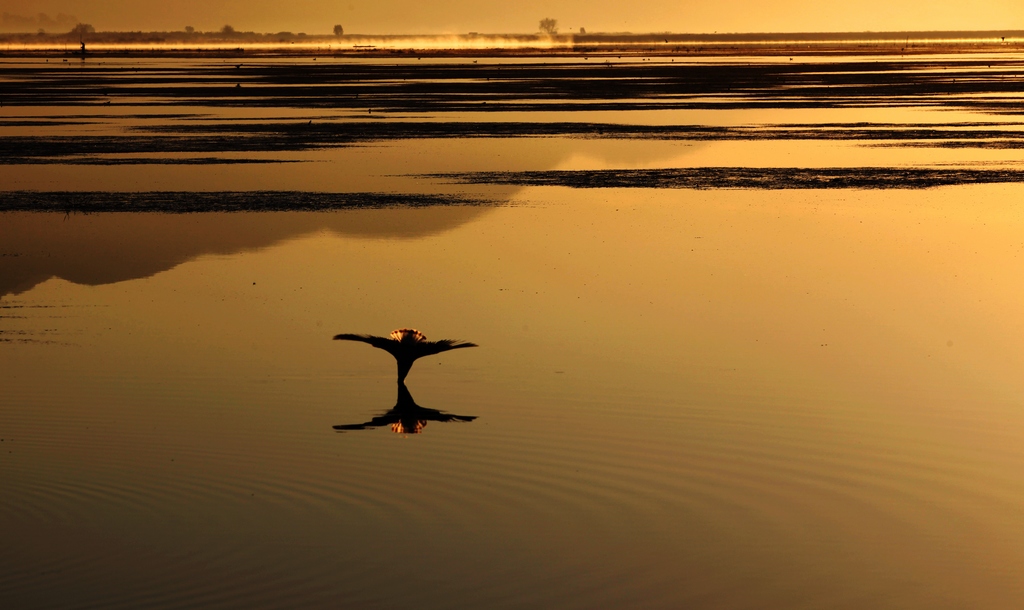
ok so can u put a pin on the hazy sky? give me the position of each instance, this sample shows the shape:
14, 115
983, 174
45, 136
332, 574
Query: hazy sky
460, 16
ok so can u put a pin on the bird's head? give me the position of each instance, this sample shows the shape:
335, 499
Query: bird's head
408, 335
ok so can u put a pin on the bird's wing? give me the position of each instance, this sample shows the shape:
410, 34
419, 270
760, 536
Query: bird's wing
436, 347
391, 417
446, 417
383, 343
353, 426
381, 420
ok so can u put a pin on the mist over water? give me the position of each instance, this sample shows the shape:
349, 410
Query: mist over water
749, 332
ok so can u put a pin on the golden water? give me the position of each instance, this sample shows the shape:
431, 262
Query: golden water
684, 399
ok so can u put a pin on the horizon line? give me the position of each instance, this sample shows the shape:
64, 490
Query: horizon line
942, 33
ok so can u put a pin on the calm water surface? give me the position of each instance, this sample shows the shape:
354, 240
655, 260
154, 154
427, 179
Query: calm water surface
684, 398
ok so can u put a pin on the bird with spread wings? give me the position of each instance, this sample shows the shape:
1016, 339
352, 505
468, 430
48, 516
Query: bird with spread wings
406, 345
406, 417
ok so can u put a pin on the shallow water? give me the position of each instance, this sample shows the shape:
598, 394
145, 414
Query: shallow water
731, 398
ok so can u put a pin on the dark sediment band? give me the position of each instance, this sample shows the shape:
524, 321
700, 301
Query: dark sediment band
745, 178
329, 132
224, 201
232, 137
982, 84
1014, 144
56, 160
366, 93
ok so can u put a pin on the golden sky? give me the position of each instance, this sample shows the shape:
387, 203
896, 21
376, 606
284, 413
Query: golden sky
461, 16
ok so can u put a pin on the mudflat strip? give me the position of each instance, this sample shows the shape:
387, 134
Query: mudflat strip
102, 103
775, 178
608, 83
233, 137
222, 201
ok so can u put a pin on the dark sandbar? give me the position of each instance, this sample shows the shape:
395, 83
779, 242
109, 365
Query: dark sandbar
224, 201
745, 178
293, 137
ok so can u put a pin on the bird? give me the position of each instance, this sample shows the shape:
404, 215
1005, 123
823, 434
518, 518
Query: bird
406, 345
406, 417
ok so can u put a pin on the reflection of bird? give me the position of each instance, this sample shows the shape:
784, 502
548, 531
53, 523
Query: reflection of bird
406, 417
406, 345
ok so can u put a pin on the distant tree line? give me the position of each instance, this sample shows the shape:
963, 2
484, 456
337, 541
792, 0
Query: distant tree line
226, 31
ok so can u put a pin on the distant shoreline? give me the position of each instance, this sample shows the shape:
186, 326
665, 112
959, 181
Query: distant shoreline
203, 43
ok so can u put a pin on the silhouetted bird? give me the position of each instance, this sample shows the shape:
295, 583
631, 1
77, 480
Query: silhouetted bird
406, 345
406, 417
